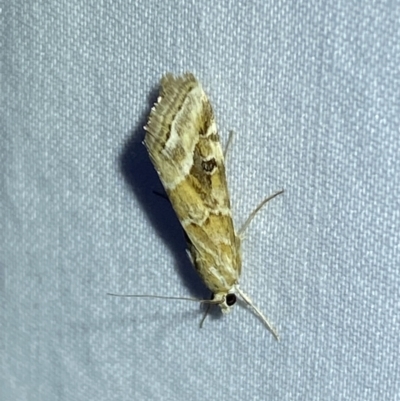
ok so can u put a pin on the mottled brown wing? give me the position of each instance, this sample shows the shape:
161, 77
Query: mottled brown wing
184, 146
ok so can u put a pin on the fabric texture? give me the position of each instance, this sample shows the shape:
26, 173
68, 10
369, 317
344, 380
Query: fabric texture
311, 90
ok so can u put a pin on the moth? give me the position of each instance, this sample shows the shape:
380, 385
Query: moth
184, 146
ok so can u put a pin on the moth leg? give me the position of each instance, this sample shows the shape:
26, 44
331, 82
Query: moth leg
164, 196
206, 311
256, 210
228, 144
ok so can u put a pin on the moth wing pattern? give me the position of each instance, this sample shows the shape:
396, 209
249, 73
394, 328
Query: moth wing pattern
184, 146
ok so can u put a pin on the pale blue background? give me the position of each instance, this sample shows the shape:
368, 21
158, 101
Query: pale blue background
312, 90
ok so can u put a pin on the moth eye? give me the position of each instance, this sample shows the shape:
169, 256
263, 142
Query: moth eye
230, 299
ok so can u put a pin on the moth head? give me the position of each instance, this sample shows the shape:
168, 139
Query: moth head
225, 301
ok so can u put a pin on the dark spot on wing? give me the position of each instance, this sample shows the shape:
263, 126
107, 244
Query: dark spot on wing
209, 166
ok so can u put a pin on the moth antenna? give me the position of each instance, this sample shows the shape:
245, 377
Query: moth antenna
257, 311
256, 210
201, 301
157, 296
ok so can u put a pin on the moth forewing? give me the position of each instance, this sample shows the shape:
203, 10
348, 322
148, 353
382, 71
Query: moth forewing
183, 144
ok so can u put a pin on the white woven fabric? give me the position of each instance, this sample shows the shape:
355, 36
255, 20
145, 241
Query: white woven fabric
311, 90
